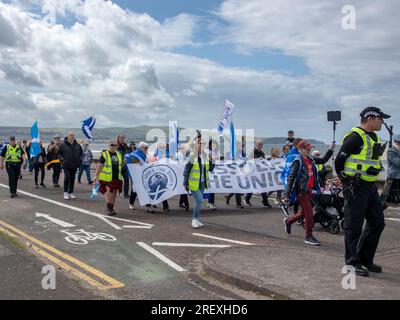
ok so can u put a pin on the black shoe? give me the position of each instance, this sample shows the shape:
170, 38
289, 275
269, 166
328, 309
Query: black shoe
288, 226
109, 212
150, 210
43, 185
360, 270
79, 182
113, 212
312, 241
166, 210
267, 206
373, 267
56, 186
90, 182
227, 200
239, 206
13, 196
181, 206
36, 186
187, 208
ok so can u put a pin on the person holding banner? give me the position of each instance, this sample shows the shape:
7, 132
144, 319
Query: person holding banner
196, 177
12, 153
109, 176
258, 154
138, 156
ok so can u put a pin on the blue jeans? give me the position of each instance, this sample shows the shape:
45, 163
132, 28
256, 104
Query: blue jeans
86, 168
198, 197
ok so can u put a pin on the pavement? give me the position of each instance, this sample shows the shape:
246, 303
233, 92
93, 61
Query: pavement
239, 254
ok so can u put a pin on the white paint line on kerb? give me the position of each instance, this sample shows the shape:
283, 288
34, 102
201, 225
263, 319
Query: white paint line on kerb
223, 239
161, 257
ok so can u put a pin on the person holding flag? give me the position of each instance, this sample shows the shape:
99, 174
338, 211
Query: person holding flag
13, 155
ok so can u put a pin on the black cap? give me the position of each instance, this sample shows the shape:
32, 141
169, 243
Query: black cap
132, 143
373, 112
12, 138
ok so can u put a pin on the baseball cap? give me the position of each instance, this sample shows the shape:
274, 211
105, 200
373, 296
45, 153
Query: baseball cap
304, 144
396, 137
373, 112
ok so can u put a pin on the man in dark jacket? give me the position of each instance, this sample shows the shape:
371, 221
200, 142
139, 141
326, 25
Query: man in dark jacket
70, 155
123, 150
301, 181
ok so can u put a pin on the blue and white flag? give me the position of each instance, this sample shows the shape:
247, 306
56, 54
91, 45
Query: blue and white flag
87, 127
173, 139
229, 108
35, 149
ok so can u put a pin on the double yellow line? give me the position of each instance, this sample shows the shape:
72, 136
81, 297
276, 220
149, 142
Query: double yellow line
40, 247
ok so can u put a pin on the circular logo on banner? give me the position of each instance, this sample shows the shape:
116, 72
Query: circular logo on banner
159, 179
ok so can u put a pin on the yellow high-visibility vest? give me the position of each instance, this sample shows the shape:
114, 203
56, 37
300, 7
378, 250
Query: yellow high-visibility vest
358, 164
106, 172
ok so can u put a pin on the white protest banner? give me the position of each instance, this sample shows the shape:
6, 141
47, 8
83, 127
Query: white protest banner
160, 181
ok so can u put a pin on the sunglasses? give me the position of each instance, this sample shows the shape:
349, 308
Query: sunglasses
113, 145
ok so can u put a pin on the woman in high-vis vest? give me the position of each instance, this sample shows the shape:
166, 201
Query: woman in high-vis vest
196, 177
108, 174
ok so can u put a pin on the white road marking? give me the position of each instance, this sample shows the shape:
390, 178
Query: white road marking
223, 239
90, 213
393, 219
161, 256
195, 245
54, 220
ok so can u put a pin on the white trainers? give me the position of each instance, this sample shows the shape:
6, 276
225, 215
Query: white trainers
66, 196
131, 207
195, 224
72, 196
200, 224
212, 206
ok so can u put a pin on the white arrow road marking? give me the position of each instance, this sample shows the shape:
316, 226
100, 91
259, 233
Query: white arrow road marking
90, 213
54, 220
161, 256
196, 245
223, 239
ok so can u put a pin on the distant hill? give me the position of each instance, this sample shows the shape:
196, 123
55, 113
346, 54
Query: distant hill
104, 134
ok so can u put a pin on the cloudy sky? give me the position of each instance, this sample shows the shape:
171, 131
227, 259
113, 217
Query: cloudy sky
283, 63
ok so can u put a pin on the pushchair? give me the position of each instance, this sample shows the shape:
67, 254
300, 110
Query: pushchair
328, 208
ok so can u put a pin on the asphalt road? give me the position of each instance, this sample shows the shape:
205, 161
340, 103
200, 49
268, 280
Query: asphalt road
144, 256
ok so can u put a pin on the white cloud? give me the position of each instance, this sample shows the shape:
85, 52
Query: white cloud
118, 65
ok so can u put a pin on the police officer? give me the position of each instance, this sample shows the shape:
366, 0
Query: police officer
12, 153
358, 166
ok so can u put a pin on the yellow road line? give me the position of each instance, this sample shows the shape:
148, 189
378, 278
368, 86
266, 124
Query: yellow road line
112, 282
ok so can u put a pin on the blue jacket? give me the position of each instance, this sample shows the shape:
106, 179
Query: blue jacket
393, 157
292, 155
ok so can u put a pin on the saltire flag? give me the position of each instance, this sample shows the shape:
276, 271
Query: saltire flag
87, 127
173, 138
233, 142
229, 108
35, 149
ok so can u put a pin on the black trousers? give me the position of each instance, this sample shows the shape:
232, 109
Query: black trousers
238, 198
184, 200
362, 202
132, 199
13, 171
264, 197
37, 167
125, 174
56, 173
69, 179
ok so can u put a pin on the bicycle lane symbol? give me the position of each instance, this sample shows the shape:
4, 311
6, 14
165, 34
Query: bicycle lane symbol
82, 237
